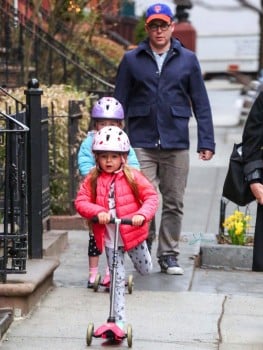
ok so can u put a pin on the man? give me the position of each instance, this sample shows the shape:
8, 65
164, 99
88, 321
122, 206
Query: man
159, 85
253, 158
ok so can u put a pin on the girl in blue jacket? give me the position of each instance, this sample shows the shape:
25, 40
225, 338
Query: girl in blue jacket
106, 112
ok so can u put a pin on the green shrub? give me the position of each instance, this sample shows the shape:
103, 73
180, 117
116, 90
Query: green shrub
56, 99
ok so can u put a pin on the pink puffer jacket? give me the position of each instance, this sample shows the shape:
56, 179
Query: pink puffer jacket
126, 205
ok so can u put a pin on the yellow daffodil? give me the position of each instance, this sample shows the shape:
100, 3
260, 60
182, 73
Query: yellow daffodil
237, 225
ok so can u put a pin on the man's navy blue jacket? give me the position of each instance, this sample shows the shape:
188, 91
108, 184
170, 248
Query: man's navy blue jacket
158, 106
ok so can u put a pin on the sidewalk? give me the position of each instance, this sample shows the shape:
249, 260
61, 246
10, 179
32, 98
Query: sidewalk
201, 310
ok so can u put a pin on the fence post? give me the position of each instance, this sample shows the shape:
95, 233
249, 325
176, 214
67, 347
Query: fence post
34, 161
222, 215
75, 115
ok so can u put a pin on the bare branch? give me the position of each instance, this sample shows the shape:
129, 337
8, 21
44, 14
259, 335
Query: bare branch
240, 4
247, 4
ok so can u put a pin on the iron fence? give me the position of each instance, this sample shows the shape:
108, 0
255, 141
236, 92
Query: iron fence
38, 173
13, 194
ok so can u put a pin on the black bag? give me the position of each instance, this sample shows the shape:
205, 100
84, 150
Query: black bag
236, 188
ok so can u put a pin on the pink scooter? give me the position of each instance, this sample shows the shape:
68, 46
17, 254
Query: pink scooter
110, 329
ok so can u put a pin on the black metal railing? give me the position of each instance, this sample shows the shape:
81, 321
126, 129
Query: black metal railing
24, 179
38, 172
13, 194
49, 52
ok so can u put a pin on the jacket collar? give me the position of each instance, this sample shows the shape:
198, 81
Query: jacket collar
145, 46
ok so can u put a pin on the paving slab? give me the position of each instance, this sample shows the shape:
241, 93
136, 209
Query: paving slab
173, 318
163, 320
243, 313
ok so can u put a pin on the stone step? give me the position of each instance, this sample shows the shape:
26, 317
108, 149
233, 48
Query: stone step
67, 222
54, 242
21, 292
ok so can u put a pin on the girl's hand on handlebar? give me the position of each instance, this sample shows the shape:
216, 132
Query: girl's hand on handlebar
104, 218
137, 220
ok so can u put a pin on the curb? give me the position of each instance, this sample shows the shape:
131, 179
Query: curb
214, 255
6, 318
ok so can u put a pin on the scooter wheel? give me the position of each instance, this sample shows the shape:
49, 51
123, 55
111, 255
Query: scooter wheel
96, 282
89, 334
130, 284
129, 335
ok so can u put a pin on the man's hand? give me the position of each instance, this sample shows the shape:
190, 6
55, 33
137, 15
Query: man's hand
205, 154
257, 190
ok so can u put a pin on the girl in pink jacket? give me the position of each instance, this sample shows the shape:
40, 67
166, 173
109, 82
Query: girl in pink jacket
113, 189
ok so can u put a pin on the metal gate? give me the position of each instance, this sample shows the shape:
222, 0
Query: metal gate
13, 194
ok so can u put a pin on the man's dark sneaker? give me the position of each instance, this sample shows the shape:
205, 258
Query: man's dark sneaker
169, 265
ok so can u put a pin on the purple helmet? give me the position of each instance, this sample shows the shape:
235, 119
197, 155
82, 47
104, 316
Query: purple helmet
107, 108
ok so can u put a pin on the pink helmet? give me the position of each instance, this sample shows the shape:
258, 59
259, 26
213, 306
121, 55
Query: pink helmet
111, 139
107, 108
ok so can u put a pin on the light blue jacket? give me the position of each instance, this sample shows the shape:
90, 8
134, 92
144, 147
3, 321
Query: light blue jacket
86, 160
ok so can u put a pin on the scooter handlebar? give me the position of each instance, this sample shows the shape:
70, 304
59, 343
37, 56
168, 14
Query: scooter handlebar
123, 221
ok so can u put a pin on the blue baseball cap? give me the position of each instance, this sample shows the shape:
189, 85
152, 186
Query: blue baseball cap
159, 11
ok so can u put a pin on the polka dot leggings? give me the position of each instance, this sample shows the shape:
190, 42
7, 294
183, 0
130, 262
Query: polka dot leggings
93, 250
142, 262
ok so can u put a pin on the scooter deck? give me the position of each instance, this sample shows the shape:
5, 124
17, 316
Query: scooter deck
110, 331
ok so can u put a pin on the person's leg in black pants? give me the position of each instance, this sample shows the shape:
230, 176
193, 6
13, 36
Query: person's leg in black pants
258, 241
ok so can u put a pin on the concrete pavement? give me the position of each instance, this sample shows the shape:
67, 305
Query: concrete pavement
202, 310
